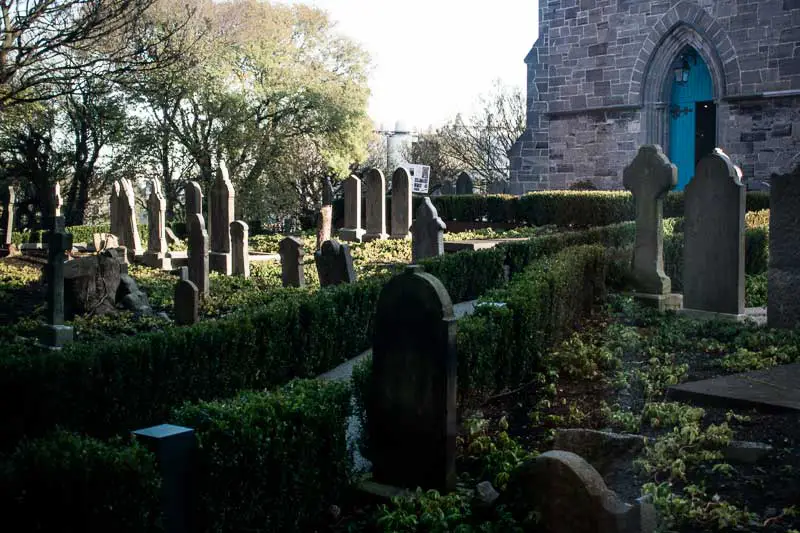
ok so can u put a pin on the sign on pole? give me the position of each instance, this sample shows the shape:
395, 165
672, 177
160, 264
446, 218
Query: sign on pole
420, 177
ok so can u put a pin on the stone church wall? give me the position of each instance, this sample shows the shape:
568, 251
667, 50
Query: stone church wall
596, 73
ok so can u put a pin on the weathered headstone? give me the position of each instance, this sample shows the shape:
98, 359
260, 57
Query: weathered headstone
649, 177
427, 232
447, 187
783, 278
464, 184
376, 205
352, 230
571, 497
91, 284
291, 252
156, 255
198, 253
7, 198
401, 203
411, 406
220, 217
334, 264
187, 303
194, 199
53, 332
325, 222
240, 253
114, 206
713, 251
129, 228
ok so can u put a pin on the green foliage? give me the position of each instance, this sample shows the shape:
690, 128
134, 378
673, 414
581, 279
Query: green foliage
270, 461
489, 454
695, 508
72, 483
755, 290
79, 234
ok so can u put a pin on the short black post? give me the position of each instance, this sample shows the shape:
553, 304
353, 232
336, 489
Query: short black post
175, 448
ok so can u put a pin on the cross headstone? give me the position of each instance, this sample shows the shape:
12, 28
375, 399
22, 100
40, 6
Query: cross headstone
427, 232
6, 220
464, 184
187, 303
194, 199
198, 253
156, 255
240, 253
713, 251
352, 230
129, 229
291, 252
649, 177
334, 264
54, 333
411, 406
447, 187
401, 203
783, 278
376, 205
220, 217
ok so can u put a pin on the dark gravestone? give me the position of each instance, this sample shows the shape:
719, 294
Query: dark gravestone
334, 264
401, 203
376, 205
427, 232
198, 253
713, 254
194, 200
187, 303
54, 333
220, 217
411, 409
91, 283
464, 184
240, 248
291, 252
783, 286
7, 198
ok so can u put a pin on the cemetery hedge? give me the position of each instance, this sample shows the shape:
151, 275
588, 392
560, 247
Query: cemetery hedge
266, 461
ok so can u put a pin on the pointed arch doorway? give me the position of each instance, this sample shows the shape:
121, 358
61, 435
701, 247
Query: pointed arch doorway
692, 113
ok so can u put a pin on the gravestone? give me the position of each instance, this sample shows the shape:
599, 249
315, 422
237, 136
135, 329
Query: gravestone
156, 255
401, 203
447, 187
220, 217
334, 264
325, 222
783, 278
427, 232
240, 252
129, 228
291, 252
411, 406
187, 303
194, 199
649, 177
570, 496
91, 284
376, 205
6, 220
114, 205
464, 184
198, 253
53, 333
352, 230
713, 251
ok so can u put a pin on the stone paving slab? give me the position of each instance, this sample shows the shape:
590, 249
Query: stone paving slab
775, 389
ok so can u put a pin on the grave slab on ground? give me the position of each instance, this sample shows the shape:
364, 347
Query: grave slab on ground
476, 244
775, 389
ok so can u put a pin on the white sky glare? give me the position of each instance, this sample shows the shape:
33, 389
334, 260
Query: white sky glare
432, 59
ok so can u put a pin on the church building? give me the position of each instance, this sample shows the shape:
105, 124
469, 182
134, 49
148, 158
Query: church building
606, 76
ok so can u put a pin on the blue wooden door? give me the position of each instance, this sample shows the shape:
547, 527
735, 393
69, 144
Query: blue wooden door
682, 126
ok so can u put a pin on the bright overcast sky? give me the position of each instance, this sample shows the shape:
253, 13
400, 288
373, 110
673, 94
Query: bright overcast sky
433, 58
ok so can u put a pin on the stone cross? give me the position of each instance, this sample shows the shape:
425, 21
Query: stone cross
427, 232
291, 252
713, 250
352, 230
194, 199
220, 216
240, 243
6, 220
187, 303
411, 404
376, 205
54, 333
464, 184
129, 230
198, 253
783, 279
334, 264
649, 177
401, 203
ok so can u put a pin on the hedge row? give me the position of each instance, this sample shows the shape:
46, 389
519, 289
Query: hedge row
269, 462
578, 209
